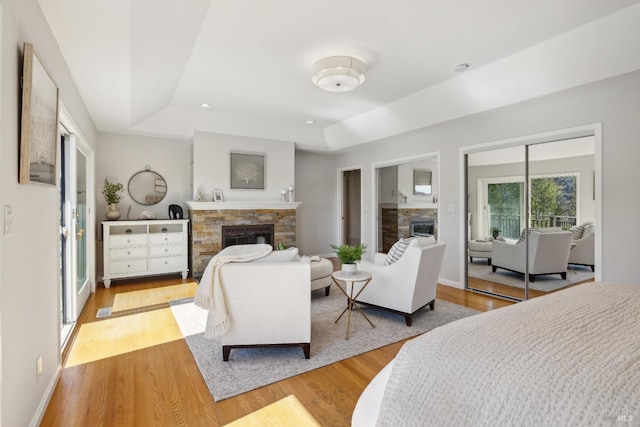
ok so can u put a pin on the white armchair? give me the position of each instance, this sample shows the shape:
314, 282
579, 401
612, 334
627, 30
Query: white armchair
268, 305
582, 253
408, 284
548, 254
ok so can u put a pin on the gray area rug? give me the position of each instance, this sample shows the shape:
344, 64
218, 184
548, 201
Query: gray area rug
248, 369
546, 283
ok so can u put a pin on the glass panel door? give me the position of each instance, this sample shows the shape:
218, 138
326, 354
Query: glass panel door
81, 221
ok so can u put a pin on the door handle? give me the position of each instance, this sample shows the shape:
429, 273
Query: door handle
80, 233
65, 232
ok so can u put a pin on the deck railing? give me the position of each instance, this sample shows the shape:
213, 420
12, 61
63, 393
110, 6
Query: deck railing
509, 225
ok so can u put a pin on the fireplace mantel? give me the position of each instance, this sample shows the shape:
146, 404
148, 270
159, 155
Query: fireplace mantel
217, 206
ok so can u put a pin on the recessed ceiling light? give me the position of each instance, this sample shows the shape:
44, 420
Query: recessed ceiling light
310, 122
461, 67
205, 105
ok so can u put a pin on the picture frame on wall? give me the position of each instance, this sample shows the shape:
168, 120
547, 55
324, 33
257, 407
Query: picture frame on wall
217, 195
39, 123
247, 171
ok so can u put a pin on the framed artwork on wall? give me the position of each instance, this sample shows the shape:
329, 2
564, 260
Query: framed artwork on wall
247, 171
39, 123
217, 195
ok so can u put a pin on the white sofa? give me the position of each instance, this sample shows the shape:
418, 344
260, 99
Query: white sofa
408, 284
268, 304
548, 254
582, 253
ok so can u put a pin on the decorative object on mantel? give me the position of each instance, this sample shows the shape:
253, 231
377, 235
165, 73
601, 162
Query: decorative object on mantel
247, 171
348, 255
111, 192
217, 195
39, 122
290, 192
283, 196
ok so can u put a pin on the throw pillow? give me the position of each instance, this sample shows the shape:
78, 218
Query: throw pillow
521, 239
396, 251
577, 231
423, 242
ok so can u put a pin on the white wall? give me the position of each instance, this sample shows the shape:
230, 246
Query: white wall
613, 102
316, 182
121, 156
211, 165
29, 271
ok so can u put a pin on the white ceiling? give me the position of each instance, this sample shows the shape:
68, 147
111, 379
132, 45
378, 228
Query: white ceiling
145, 66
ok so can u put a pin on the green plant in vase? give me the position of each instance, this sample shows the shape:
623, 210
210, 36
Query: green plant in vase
495, 232
111, 192
348, 255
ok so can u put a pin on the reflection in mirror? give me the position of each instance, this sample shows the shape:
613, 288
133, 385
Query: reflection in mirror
496, 214
421, 182
402, 211
556, 202
147, 187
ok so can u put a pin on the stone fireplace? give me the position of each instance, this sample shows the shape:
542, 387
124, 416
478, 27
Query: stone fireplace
209, 219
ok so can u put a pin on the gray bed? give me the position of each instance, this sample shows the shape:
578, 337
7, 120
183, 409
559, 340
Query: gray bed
569, 358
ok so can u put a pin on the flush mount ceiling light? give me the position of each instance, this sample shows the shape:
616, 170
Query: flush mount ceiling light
338, 73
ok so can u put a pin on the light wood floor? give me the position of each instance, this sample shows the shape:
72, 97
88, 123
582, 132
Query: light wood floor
162, 386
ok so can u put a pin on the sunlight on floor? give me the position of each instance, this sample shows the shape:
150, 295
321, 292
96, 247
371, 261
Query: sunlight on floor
111, 337
148, 297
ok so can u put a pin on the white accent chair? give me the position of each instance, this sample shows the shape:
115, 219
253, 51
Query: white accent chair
548, 254
408, 284
582, 253
268, 304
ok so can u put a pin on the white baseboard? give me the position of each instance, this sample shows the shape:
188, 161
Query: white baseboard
451, 283
46, 398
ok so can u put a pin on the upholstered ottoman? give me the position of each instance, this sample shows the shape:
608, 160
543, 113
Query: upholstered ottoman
480, 249
321, 275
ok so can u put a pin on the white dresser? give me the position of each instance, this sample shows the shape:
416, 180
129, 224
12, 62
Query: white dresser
144, 248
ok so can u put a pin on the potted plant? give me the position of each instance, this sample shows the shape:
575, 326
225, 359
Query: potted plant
348, 255
111, 192
495, 231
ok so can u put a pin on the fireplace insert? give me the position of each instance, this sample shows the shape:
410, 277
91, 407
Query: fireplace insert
422, 227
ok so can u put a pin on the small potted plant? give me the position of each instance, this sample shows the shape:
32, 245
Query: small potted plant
348, 255
495, 231
111, 192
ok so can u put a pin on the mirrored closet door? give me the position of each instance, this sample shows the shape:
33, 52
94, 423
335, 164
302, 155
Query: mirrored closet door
531, 212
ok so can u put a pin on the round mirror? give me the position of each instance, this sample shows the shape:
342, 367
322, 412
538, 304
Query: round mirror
147, 187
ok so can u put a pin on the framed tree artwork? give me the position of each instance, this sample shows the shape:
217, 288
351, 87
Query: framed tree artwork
247, 171
39, 123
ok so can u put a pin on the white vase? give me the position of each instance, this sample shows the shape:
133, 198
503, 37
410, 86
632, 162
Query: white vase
113, 212
349, 268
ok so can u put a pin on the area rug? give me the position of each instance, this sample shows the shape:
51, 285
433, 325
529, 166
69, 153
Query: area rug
248, 369
545, 283
133, 300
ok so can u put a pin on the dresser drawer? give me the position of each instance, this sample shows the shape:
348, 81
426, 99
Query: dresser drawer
127, 253
165, 238
128, 240
166, 264
131, 266
165, 251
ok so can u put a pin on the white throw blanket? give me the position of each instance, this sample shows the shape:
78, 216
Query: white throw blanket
210, 295
568, 358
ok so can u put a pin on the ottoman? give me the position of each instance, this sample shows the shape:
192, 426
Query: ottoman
321, 275
480, 249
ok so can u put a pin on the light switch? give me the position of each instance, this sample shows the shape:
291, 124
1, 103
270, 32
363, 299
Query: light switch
451, 208
8, 220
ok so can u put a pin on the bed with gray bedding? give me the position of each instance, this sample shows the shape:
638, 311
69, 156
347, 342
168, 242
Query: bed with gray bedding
569, 358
